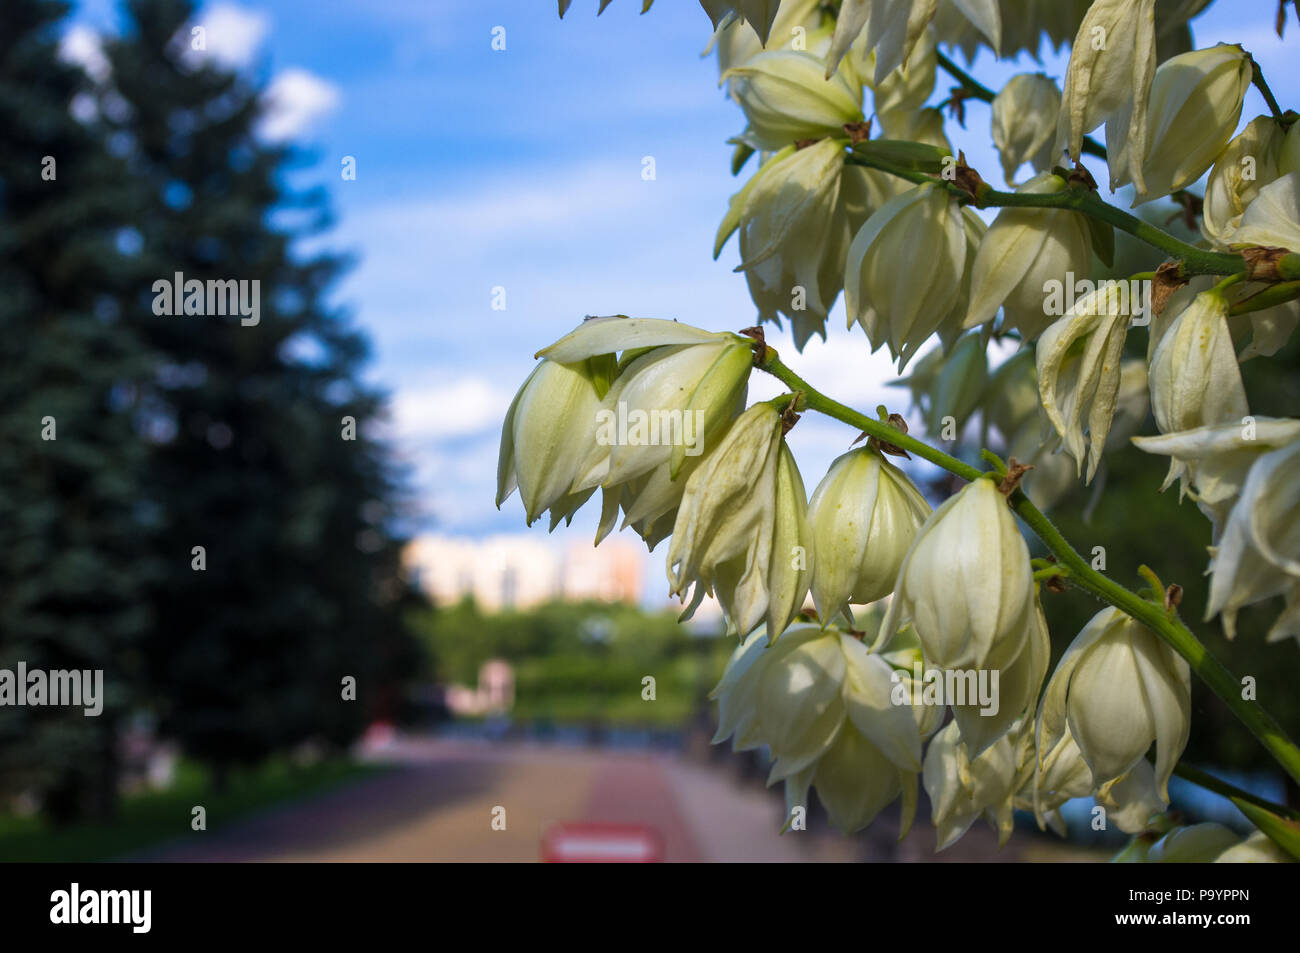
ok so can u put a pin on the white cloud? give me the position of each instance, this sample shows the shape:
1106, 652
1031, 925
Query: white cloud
470, 405
295, 100
82, 45
232, 34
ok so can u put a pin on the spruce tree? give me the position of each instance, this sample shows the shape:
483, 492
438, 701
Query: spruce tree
72, 576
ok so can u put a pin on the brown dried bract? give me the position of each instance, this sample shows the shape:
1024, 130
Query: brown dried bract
967, 179
1261, 262
1168, 279
788, 416
1015, 472
1081, 176
898, 423
858, 131
760, 343
1173, 596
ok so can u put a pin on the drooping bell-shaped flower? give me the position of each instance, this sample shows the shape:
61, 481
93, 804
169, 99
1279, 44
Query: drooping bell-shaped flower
678, 388
547, 431
962, 789
1251, 161
1022, 251
795, 217
1025, 114
864, 515
966, 583
1079, 365
1119, 689
1195, 103
893, 310
1258, 554
1108, 79
824, 707
786, 98
741, 531
1194, 377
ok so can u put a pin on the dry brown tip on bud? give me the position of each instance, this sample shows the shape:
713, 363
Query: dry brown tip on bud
1081, 176
1262, 262
858, 131
1169, 278
760, 343
1173, 596
804, 143
1015, 471
788, 416
1054, 584
967, 179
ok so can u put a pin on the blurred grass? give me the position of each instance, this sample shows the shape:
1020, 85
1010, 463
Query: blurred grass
153, 818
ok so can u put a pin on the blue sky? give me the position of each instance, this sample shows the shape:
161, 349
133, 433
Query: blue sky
521, 169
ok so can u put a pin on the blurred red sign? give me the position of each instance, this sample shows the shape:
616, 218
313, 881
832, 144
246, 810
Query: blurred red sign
581, 843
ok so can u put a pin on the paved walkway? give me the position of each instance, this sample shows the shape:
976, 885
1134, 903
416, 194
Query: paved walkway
438, 802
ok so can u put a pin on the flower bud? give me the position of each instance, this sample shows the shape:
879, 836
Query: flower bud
786, 97
675, 395
1023, 250
963, 789
1025, 114
1194, 377
1250, 162
899, 313
1079, 372
864, 515
741, 531
1258, 555
1119, 688
1108, 79
823, 705
547, 431
966, 583
1194, 107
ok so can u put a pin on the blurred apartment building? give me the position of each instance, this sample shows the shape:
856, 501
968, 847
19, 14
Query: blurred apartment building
519, 571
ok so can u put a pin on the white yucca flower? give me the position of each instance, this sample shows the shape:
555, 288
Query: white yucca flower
823, 705
1079, 373
1118, 689
966, 583
963, 788
741, 531
1023, 250
1258, 554
786, 97
1194, 377
864, 515
1194, 107
1109, 77
900, 313
1256, 158
1025, 114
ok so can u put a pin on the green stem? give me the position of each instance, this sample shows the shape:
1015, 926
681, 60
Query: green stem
1272, 295
1080, 573
1219, 786
1195, 261
1257, 77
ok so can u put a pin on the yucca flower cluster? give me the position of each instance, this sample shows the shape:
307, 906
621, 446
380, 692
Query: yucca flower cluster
863, 610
